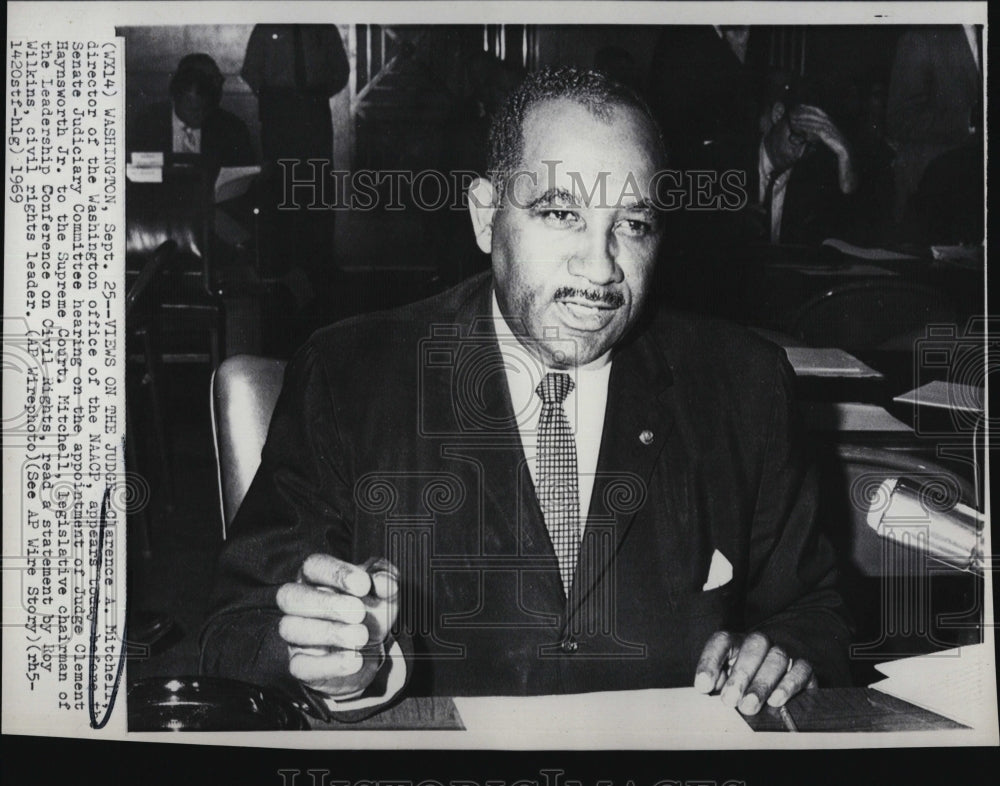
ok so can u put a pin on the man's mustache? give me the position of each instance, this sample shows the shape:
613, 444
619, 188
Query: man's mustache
612, 299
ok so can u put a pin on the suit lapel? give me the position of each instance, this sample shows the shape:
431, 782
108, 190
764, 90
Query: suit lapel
637, 425
487, 436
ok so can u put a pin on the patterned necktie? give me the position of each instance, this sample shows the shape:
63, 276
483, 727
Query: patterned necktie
557, 474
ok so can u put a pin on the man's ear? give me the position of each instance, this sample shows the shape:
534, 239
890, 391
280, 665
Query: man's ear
482, 207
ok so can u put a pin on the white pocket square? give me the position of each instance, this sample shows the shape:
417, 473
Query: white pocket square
720, 572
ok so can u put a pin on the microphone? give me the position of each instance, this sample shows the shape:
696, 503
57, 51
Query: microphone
901, 513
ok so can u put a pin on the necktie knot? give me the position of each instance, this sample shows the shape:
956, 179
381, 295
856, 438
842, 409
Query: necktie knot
554, 388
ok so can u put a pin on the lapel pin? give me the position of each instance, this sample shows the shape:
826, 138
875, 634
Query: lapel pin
646, 437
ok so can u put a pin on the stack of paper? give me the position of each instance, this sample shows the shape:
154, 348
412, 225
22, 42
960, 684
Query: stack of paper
849, 416
873, 254
959, 684
234, 181
611, 718
814, 362
945, 395
964, 256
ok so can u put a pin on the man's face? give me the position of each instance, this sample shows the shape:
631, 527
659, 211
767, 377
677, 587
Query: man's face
571, 259
785, 143
190, 108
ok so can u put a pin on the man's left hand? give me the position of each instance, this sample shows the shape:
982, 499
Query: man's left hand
749, 671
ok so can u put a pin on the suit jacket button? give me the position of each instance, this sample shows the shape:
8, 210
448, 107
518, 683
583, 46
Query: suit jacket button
646, 437
569, 646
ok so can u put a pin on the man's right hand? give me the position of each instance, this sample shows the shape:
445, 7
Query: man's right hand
337, 618
816, 125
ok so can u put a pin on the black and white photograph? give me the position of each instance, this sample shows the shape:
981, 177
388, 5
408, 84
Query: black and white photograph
544, 376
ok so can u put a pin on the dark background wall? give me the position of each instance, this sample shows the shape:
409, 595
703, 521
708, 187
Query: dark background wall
418, 116
833, 53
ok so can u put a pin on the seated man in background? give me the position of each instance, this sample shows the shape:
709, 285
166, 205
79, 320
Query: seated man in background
193, 127
537, 482
805, 171
192, 122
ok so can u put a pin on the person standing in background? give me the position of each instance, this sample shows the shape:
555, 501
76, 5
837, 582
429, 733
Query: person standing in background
294, 70
935, 100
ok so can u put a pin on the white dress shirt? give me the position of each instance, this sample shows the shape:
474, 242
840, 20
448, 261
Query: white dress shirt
584, 406
764, 169
186, 139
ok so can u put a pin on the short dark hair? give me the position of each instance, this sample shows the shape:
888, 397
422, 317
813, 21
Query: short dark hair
594, 90
198, 72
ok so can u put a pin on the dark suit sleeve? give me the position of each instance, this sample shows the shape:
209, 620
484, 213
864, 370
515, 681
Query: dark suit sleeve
237, 147
299, 503
792, 594
815, 208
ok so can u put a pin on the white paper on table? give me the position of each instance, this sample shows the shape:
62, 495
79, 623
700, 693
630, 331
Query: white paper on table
963, 256
871, 254
855, 269
945, 395
958, 683
617, 717
849, 416
148, 159
234, 181
144, 174
827, 362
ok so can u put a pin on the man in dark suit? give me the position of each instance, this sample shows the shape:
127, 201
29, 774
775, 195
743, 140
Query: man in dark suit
294, 70
535, 482
804, 176
192, 122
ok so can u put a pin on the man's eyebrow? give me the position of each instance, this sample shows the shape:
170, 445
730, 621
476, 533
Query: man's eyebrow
645, 204
554, 196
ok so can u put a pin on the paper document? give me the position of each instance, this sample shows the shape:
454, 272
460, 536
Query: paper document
964, 256
616, 717
827, 362
945, 395
151, 159
849, 416
234, 181
855, 269
959, 683
871, 254
144, 174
